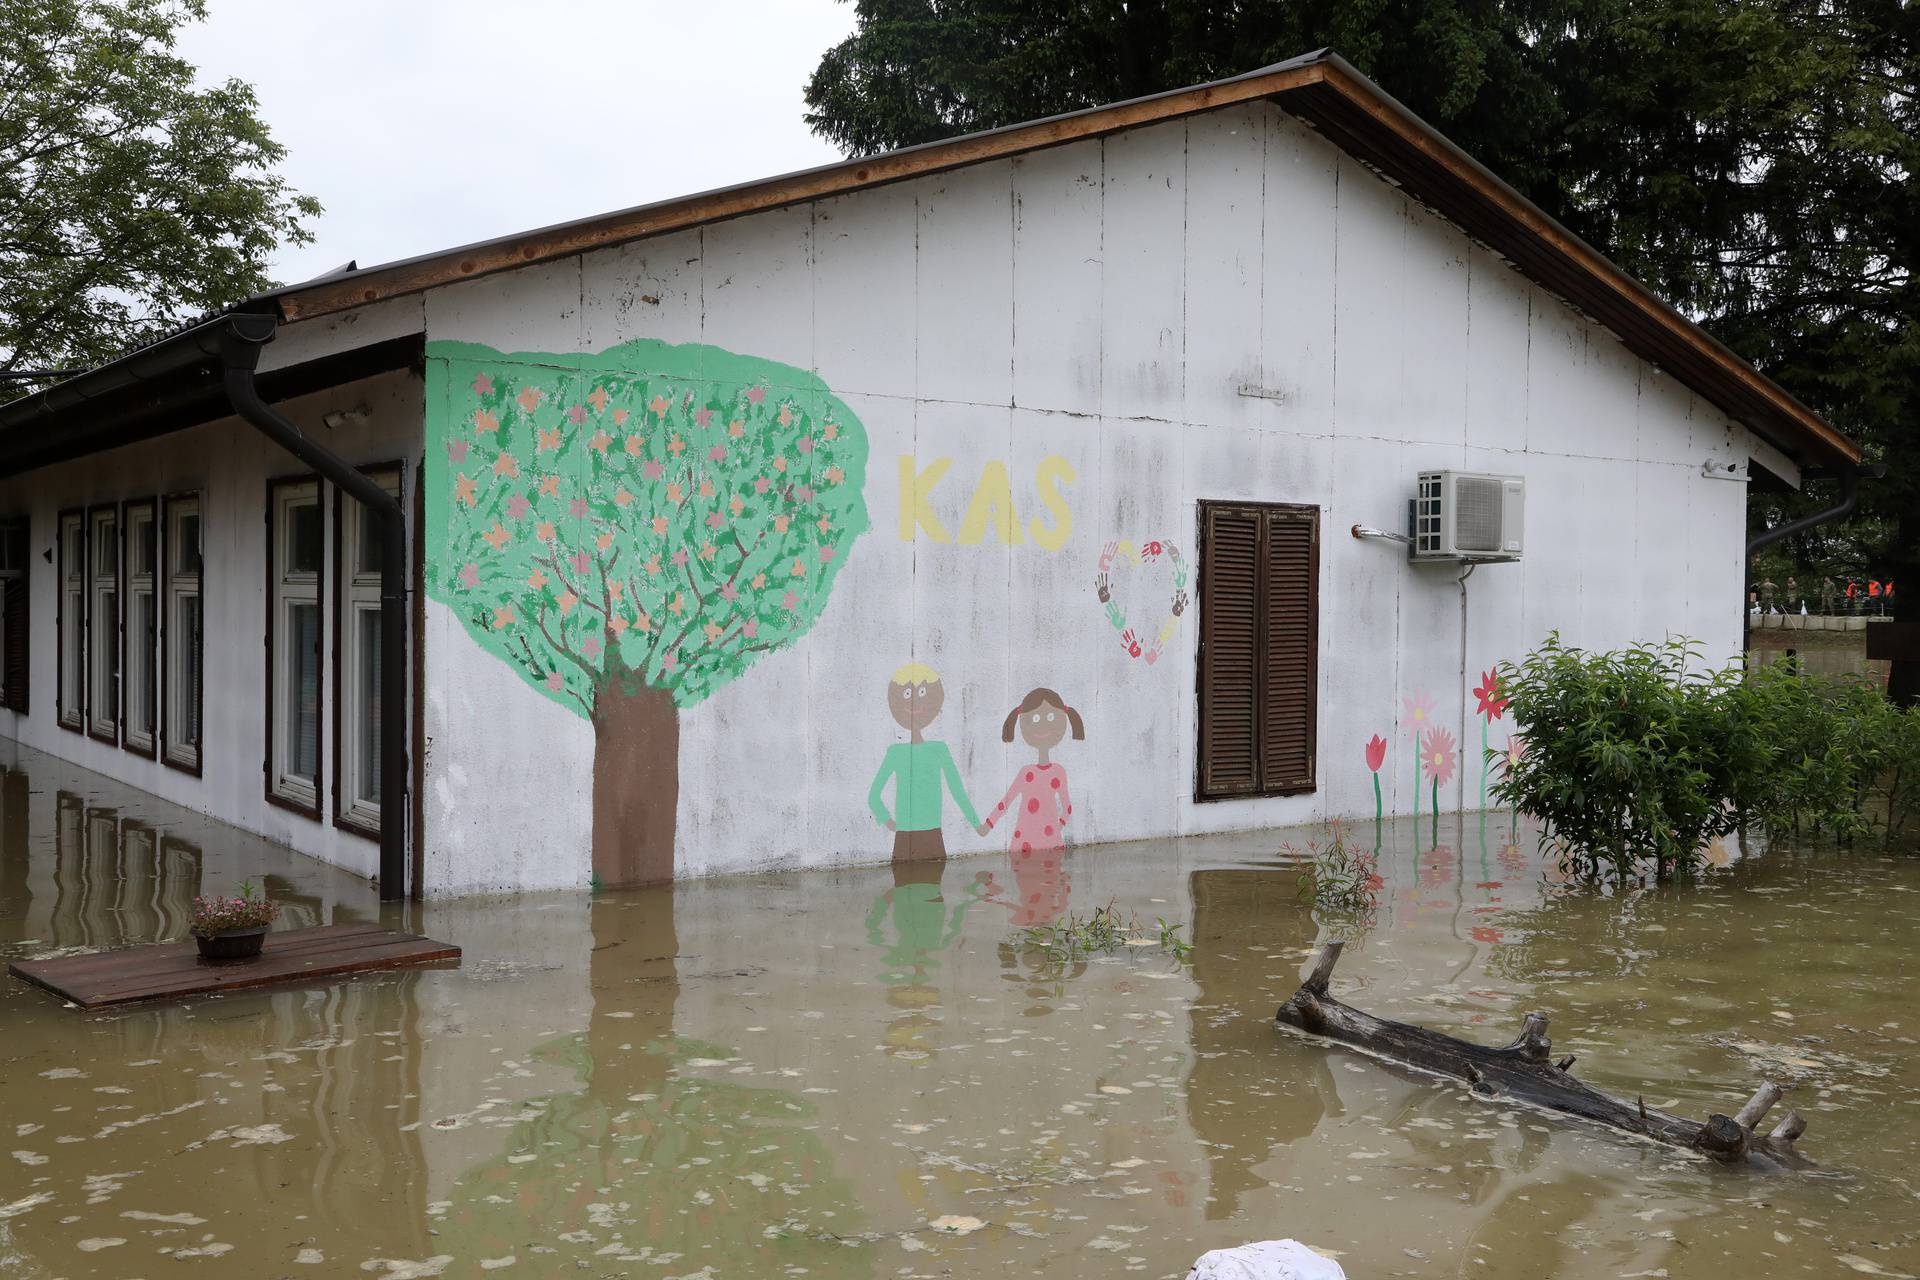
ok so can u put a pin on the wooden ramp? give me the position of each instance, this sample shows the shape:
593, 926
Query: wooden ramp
108, 978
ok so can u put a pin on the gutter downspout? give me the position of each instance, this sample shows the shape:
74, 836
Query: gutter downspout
241, 340
1850, 478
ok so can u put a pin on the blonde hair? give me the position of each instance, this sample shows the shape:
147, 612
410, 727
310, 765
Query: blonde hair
915, 673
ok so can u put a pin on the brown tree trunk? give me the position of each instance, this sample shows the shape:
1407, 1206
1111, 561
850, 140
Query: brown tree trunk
636, 784
1903, 679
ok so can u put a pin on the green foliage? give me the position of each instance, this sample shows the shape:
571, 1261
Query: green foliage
1644, 755
1100, 932
654, 515
130, 199
1341, 883
1750, 161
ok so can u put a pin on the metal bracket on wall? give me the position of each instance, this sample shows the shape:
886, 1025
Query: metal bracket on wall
1720, 467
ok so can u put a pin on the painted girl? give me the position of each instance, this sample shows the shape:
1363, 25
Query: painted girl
1037, 804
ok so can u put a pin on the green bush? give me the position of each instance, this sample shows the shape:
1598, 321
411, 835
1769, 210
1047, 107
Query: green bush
1644, 755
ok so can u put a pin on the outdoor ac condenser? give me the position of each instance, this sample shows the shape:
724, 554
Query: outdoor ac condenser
1465, 515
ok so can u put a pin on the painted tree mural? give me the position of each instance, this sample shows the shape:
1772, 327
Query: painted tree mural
632, 530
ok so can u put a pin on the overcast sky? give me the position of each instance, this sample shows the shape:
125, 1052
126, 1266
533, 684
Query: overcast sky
424, 124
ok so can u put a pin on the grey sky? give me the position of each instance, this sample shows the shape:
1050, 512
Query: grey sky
422, 124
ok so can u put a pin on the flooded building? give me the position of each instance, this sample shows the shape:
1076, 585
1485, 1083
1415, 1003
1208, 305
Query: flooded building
1177, 466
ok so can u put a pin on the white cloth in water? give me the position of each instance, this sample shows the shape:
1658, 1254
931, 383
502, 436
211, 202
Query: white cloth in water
1266, 1260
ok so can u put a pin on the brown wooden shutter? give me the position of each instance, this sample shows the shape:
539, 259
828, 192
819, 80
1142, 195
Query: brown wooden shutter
13, 680
1259, 649
1290, 570
1229, 651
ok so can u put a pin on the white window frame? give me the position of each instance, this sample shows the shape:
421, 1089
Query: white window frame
182, 648
103, 623
357, 592
290, 589
73, 621
138, 671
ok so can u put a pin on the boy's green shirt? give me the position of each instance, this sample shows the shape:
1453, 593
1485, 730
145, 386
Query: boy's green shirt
919, 769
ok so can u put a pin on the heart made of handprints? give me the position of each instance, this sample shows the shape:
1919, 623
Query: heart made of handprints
1145, 634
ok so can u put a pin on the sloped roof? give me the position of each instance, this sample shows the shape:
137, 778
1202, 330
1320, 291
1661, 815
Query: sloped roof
1320, 88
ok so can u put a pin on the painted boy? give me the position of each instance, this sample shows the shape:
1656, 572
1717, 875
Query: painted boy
922, 771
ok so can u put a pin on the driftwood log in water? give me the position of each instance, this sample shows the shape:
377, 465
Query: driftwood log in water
1525, 1072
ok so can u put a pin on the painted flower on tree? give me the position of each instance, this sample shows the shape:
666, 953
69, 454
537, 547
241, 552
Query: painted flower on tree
632, 530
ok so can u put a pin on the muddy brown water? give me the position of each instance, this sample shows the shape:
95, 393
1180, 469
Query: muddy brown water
803, 1074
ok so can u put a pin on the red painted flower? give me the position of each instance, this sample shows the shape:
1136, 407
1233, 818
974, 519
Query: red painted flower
1485, 933
1491, 703
1376, 752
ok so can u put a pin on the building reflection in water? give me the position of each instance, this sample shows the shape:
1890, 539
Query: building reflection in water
912, 923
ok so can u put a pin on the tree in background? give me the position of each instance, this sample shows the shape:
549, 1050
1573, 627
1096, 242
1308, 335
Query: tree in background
1749, 160
631, 531
130, 199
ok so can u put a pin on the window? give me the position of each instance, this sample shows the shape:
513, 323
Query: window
180, 634
296, 550
356, 622
71, 623
15, 622
1259, 641
103, 624
140, 718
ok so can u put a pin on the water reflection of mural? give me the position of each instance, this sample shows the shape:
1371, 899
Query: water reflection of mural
911, 924
921, 770
661, 1156
630, 531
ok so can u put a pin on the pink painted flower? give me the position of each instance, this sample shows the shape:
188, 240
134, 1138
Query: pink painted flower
1439, 754
554, 682
671, 661
806, 444
679, 558
457, 450
756, 394
590, 647
729, 593
470, 575
717, 454
762, 484
655, 470
804, 493
577, 508
1419, 710
580, 562
715, 520
482, 384
703, 417
790, 602
751, 630
1516, 749
517, 507
577, 414
826, 554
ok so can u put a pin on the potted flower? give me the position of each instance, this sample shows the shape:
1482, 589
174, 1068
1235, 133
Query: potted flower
232, 928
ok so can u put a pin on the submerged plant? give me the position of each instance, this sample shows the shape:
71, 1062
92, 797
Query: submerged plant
219, 915
1341, 882
1101, 932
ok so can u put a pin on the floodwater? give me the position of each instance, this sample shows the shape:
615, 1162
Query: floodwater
861, 1074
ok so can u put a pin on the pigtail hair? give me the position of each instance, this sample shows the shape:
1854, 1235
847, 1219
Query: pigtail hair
1006, 730
1079, 727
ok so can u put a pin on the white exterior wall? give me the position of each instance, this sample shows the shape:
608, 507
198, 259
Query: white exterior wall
1104, 303
229, 464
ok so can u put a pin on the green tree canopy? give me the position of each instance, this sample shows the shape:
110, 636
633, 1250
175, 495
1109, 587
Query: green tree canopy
130, 198
1749, 159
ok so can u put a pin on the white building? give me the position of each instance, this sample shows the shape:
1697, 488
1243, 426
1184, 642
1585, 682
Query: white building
685, 486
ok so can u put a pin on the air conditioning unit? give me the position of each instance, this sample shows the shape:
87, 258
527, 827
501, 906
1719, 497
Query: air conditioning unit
1465, 515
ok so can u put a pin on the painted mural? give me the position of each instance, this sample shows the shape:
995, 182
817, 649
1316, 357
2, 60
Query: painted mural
1149, 641
921, 770
1038, 802
631, 530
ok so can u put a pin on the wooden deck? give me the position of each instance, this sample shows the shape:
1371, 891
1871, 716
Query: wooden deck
169, 969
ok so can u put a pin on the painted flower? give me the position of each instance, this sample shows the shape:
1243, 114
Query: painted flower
529, 398
544, 531
799, 569
549, 485
706, 488
536, 579
505, 465
554, 681
549, 439
1488, 692
670, 662
590, 647
675, 446
484, 421
576, 414
751, 630
653, 564
470, 575
679, 557
1439, 754
703, 418
660, 526
759, 581
636, 445
679, 605
756, 394
708, 551
729, 593
1516, 748
580, 562
806, 444
762, 484
518, 506
621, 497
790, 602
566, 600
604, 541
826, 554
780, 524
830, 432
482, 384
577, 508
715, 520
736, 428
598, 399
659, 405
786, 415
713, 631
497, 536
673, 492
1376, 752
463, 489
503, 617
620, 417
599, 441
655, 470
457, 450
736, 504
717, 454
1485, 933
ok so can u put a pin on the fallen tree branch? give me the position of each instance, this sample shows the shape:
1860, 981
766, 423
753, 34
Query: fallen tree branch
1525, 1072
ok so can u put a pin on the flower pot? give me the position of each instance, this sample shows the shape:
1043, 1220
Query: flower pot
232, 944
